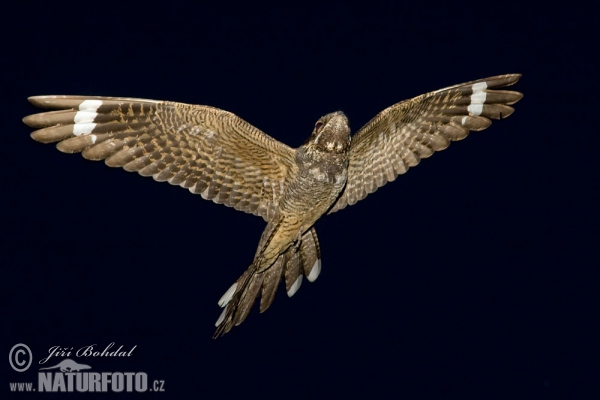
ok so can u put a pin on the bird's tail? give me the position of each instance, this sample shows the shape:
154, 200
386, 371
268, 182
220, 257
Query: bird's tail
298, 260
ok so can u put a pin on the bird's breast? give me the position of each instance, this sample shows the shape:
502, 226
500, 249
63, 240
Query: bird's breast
323, 175
318, 182
322, 167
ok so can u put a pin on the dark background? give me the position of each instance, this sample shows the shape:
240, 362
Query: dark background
473, 276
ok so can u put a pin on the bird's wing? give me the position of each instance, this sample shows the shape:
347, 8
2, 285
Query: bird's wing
401, 135
209, 151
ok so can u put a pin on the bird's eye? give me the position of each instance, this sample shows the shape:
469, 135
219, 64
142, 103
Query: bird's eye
318, 126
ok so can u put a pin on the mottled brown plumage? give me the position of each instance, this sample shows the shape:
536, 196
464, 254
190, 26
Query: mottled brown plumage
223, 158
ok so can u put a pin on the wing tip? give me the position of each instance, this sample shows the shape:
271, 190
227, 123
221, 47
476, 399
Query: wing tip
30, 120
37, 137
41, 101
507, 79
519, 96
515, 78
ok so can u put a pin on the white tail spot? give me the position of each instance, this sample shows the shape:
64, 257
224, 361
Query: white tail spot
315, 271
295, 286
226, 298
221, 317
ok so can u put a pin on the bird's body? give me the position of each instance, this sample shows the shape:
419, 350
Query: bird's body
309, 194
311, 189
218, 155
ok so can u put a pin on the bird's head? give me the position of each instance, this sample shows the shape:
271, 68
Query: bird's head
331, 133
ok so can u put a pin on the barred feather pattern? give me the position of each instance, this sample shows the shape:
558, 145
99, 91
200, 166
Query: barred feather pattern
223, 158
303, 259
401, 135
209, 151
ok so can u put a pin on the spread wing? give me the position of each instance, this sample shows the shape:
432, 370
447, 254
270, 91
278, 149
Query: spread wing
209, 151
401, 135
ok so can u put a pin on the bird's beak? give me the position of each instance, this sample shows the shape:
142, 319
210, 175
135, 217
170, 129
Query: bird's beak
338, 121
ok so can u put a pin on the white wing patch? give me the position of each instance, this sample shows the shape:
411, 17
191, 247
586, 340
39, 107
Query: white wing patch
84, 119
477, 98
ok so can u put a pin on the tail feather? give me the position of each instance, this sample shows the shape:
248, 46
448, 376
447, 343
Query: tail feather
293, 274
247, 300
290, 266
238, 300
270, 282
310, 255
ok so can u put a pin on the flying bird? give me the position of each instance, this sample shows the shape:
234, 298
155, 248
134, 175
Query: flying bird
221, 157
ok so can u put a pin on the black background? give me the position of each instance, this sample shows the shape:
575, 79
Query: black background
472, 276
